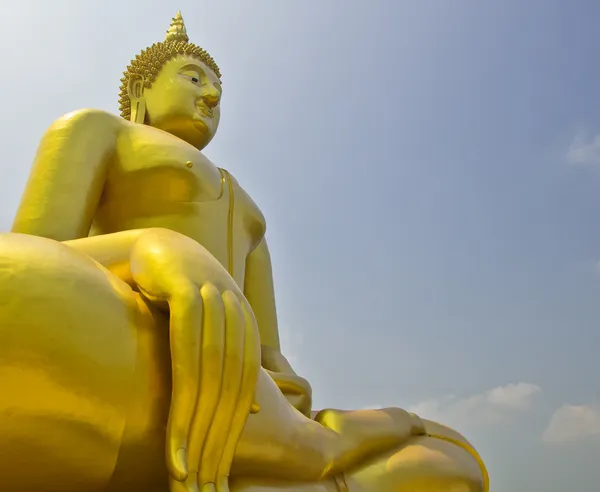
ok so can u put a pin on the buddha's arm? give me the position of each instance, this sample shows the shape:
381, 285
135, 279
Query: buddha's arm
259, 291
68, 175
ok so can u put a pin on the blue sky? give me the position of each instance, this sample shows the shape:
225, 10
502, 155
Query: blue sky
429, 171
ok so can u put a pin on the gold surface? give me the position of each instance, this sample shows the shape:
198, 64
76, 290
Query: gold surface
139, 348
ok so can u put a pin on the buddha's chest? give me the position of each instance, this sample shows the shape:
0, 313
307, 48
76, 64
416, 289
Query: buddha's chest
152, 164
156, 180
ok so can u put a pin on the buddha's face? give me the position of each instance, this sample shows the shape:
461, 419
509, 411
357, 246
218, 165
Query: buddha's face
184, 100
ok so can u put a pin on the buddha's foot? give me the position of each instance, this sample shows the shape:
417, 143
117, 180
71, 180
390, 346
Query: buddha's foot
399, 440
363, 433
421, 464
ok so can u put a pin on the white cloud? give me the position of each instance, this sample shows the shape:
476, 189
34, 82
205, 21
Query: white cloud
375, 406
490, 407
573, 423
584, 150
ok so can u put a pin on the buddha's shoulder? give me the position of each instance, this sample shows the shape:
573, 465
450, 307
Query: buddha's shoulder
89, 119
240, 191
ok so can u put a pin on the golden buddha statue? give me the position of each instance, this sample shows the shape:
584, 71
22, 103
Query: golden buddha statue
139, 348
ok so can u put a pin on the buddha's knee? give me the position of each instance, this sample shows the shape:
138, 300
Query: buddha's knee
425, 464
61, 304
39, 276
164, 262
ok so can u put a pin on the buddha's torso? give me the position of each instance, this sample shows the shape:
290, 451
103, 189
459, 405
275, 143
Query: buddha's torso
157, 180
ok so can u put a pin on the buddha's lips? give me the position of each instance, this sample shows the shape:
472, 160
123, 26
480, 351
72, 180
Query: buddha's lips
205, 110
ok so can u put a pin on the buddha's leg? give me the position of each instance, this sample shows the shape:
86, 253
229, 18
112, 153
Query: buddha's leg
280, 442
276, 441
421, 464
254, 485
67, 355
214, 344
375, 446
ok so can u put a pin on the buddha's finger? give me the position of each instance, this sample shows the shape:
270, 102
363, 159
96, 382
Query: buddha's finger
230, 390
211, 370
185, 340
222, 484
177, 486
246, 400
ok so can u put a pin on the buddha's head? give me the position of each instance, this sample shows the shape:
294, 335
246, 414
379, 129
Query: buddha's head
174, 86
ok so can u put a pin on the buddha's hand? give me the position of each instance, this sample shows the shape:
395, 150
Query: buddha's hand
215, 353
296, 389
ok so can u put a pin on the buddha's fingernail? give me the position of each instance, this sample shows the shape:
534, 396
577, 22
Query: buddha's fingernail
208, 487
255, 408
181, 464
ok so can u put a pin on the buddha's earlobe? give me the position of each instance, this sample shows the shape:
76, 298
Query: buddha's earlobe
135, 90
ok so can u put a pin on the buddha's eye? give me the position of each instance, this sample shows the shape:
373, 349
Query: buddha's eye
193, 76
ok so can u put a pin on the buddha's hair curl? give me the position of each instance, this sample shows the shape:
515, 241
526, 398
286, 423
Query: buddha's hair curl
149, 62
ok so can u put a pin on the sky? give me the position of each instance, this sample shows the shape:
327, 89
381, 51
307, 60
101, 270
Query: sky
429, 171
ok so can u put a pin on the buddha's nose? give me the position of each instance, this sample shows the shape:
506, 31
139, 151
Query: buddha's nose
211, 96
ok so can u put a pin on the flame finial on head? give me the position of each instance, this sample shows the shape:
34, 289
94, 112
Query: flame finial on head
177, 31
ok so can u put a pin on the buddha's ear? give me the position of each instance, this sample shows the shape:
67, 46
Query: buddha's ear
135, 90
